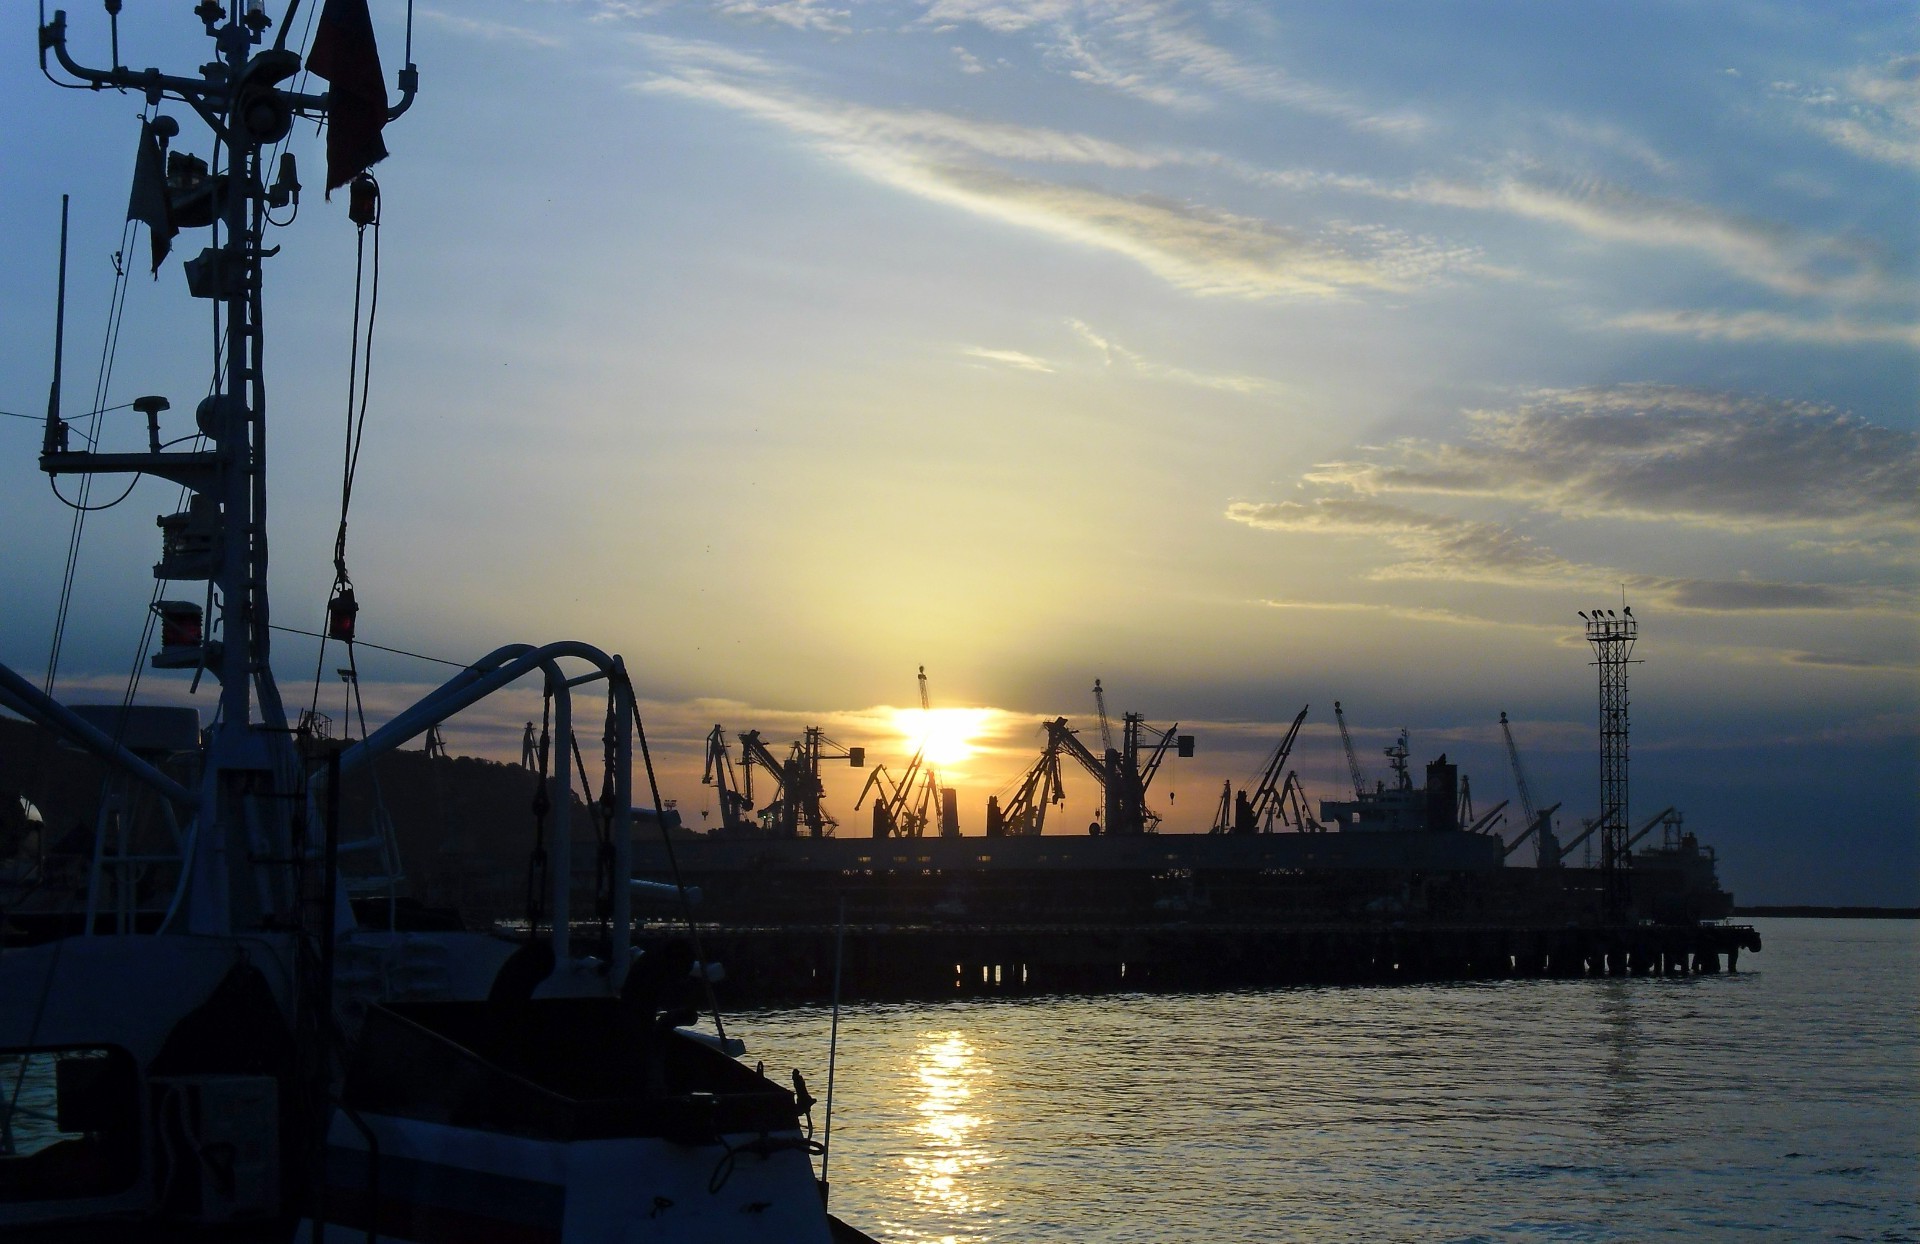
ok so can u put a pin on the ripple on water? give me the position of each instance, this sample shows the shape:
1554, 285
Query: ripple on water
1778, 1103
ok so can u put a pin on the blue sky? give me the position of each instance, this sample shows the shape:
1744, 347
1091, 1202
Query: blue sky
1242, 355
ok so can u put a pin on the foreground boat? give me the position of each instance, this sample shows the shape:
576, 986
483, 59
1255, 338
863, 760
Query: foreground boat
243, 1056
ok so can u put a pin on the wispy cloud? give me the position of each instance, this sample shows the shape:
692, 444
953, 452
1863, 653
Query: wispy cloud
1157, 52
1783, 259
1766, 326
1788, 260
1117, 355
1009, 358
1446, 548
794, 14
939, 156
1413, 613
1606, 137
1873, 112
486, 28
1664, 454
1434, 546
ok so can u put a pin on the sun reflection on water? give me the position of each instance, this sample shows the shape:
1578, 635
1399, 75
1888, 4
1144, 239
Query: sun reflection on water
948, 1070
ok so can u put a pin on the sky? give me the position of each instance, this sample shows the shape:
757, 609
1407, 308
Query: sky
1243, 356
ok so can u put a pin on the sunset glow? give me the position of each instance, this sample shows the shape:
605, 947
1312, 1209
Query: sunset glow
950, 734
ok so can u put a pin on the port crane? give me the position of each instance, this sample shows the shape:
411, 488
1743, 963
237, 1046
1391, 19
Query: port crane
906, 804
1256, 813
798, 790
1100, 706
720, 774
1038, 789
1125, 774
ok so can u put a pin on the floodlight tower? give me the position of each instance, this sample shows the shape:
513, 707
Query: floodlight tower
1612, 637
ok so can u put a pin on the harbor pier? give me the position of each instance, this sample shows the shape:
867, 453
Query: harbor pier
886, 962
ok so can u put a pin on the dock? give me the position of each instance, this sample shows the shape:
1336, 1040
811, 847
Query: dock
771, 964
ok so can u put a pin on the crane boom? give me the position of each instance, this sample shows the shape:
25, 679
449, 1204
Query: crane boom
1106, 728
1533, 826
719, 773
1353, 762
1519, 775
1293, 806
1265, 799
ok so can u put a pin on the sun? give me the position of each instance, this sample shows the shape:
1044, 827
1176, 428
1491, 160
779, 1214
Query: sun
947, 733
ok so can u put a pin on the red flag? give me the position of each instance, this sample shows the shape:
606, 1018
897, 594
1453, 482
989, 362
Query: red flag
148, 203
345, 55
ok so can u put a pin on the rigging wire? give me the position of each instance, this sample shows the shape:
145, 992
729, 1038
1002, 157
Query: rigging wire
103, 377
359, 384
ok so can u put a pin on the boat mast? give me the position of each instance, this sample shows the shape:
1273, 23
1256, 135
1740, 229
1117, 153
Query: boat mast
240, 858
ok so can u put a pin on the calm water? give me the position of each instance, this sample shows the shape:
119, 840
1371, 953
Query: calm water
1779, 1103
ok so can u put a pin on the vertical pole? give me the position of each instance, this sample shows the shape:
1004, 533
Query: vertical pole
833, 1043
619, 953
560, 854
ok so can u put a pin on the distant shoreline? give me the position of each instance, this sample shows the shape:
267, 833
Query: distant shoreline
1832, 913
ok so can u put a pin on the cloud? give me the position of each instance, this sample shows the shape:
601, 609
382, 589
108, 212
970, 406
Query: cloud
1782, 259
905, 133
1750, 596
485, 28
1436, 546
1012, 358
1874, 112
935, 156
1765, 326
1789, 260
1414, 613
1156, 52
795, 14
1115, 353
1445, 548
1664, 454
1607, 137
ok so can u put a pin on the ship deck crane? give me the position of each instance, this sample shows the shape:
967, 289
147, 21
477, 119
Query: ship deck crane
1589, 826
1542, 853
1257, 812
1294, 807
1353, 761
1546, 853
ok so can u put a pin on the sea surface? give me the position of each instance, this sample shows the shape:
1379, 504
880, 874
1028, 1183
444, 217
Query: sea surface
1780, 1103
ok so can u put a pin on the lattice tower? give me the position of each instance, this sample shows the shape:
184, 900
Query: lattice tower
1613, 639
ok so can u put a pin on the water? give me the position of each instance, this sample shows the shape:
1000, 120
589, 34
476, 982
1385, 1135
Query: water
1779, 1103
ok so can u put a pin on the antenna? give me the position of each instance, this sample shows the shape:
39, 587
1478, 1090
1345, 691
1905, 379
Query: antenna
56, 438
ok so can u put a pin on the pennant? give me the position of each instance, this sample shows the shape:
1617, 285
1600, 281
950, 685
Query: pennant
148, 203
345, 55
